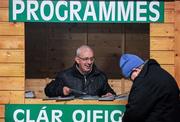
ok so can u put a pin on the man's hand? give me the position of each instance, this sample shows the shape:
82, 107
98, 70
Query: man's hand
66, 90
107, 95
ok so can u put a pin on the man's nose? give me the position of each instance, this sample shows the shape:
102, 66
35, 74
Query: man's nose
90, 61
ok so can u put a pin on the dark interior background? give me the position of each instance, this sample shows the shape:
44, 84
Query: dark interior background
50, 47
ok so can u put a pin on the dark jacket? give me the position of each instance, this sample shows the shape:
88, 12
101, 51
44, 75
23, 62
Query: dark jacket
154, 96
95, 83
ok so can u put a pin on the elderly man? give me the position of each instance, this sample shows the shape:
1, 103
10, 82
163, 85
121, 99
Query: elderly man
154, 96
82, 78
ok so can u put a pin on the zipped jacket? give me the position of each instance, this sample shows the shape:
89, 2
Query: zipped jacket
154, 96
94, 84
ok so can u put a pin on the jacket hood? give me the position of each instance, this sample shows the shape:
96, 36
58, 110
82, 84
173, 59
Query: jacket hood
146, 67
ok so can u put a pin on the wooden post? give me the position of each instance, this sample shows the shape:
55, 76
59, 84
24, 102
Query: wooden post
177, 41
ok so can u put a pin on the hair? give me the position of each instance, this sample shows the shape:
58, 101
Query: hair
83, 47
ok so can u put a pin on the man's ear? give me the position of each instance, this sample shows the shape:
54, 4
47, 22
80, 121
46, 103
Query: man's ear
76, 60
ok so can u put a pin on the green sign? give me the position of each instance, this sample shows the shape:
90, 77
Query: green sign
63, 113
90, 11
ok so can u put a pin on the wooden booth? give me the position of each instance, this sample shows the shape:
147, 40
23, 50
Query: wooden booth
32, 53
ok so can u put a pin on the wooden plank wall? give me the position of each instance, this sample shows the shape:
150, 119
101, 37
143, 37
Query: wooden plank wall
164, 46
177, 41
37, 85
11, 60
107, 41
56, 51
162, 39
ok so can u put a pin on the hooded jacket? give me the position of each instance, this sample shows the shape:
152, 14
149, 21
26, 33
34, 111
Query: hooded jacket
154, 96
95, 83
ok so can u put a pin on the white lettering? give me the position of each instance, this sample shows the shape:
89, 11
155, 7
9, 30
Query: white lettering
88, 115
42, 116
125, 14
15, 10
156, 12
31, 11
28, 117
16, 114
75, 116
103, 11
87, 12
106, 116
113, 114
56, 115
58, 10
42, 10
73, 11
140, 11
96, 116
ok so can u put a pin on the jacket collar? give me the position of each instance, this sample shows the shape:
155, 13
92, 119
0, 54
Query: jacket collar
146, 67
76, 72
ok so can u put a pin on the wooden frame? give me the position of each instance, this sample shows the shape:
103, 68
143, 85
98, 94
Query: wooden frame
164, 46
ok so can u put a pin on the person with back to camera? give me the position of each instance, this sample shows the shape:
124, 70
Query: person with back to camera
154, 95
83, 76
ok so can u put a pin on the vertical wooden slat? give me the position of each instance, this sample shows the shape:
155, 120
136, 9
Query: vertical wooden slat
177, 41
11, 61
3, 18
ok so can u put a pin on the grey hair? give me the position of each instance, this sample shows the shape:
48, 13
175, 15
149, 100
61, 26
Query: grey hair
78, 51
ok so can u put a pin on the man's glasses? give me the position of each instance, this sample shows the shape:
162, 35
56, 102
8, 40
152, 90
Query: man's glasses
87, 59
